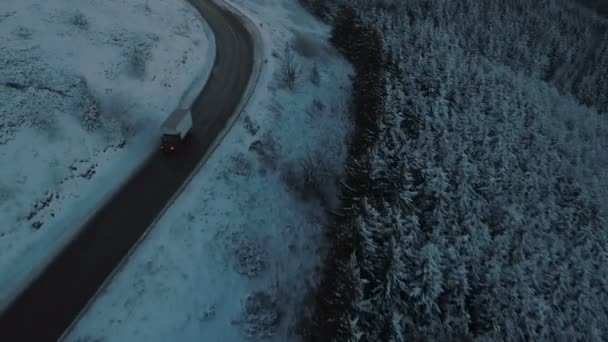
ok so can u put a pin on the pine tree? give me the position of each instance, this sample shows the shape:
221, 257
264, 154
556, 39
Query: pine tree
474, 213
343, 29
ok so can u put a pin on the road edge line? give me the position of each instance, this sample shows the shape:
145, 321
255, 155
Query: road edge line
251, 85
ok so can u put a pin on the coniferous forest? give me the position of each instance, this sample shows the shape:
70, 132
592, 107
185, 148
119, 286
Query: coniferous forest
475, 201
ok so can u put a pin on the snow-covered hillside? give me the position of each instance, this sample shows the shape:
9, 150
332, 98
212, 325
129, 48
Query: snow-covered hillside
84, 86
235, 256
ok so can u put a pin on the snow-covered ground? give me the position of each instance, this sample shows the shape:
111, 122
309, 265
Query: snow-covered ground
84, 86
233, 257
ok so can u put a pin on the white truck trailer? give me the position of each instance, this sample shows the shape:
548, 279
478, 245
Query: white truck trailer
175, 129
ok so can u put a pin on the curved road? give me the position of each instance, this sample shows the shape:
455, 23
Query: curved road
45, 309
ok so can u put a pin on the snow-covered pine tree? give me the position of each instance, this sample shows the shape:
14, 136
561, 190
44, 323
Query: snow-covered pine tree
497, 170
345, 22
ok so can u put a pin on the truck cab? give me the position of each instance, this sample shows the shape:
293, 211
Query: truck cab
175, 130
170, 142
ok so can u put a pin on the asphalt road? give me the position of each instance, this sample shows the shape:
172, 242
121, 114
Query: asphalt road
45, 309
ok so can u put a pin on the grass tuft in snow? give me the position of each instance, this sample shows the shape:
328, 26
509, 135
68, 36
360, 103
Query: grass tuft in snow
261, 316
137, 55
23, 32
80, 21
315, 77
241, 165
310, 178
250, 125
251, 257
290, 69
268, 151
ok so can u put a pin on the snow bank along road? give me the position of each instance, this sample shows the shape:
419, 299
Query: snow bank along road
53, 300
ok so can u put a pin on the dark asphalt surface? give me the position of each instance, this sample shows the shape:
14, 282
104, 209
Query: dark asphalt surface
45, 309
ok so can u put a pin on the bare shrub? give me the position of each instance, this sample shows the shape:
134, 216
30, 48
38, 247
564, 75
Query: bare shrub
315, 76
183, 29
241, 165
289, 68
276, 108
115, 109
310, 178
314, 111
261, 316
23, 32
6, 15
7, 193
267, 150
291, 176
318, 105
45, 122
315, 170
79, 20
90, 113
147, 7
137, 56
250, 125
209, 312
251, 259
153, 37
250, 256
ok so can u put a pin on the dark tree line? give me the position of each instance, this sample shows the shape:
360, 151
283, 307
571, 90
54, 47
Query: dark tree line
362, 45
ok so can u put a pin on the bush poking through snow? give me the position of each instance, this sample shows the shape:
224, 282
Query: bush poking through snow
315, 76
250, 125
6, 15
6, 193
310, 178
241, 165
251, 258
183, 29
315, 170
260, 317
116, 107
208, 313
79, 20
138, 54
267, 151
90, 114
318, 105
26, 80
289, 68
291, 176
147, 7
23, 32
